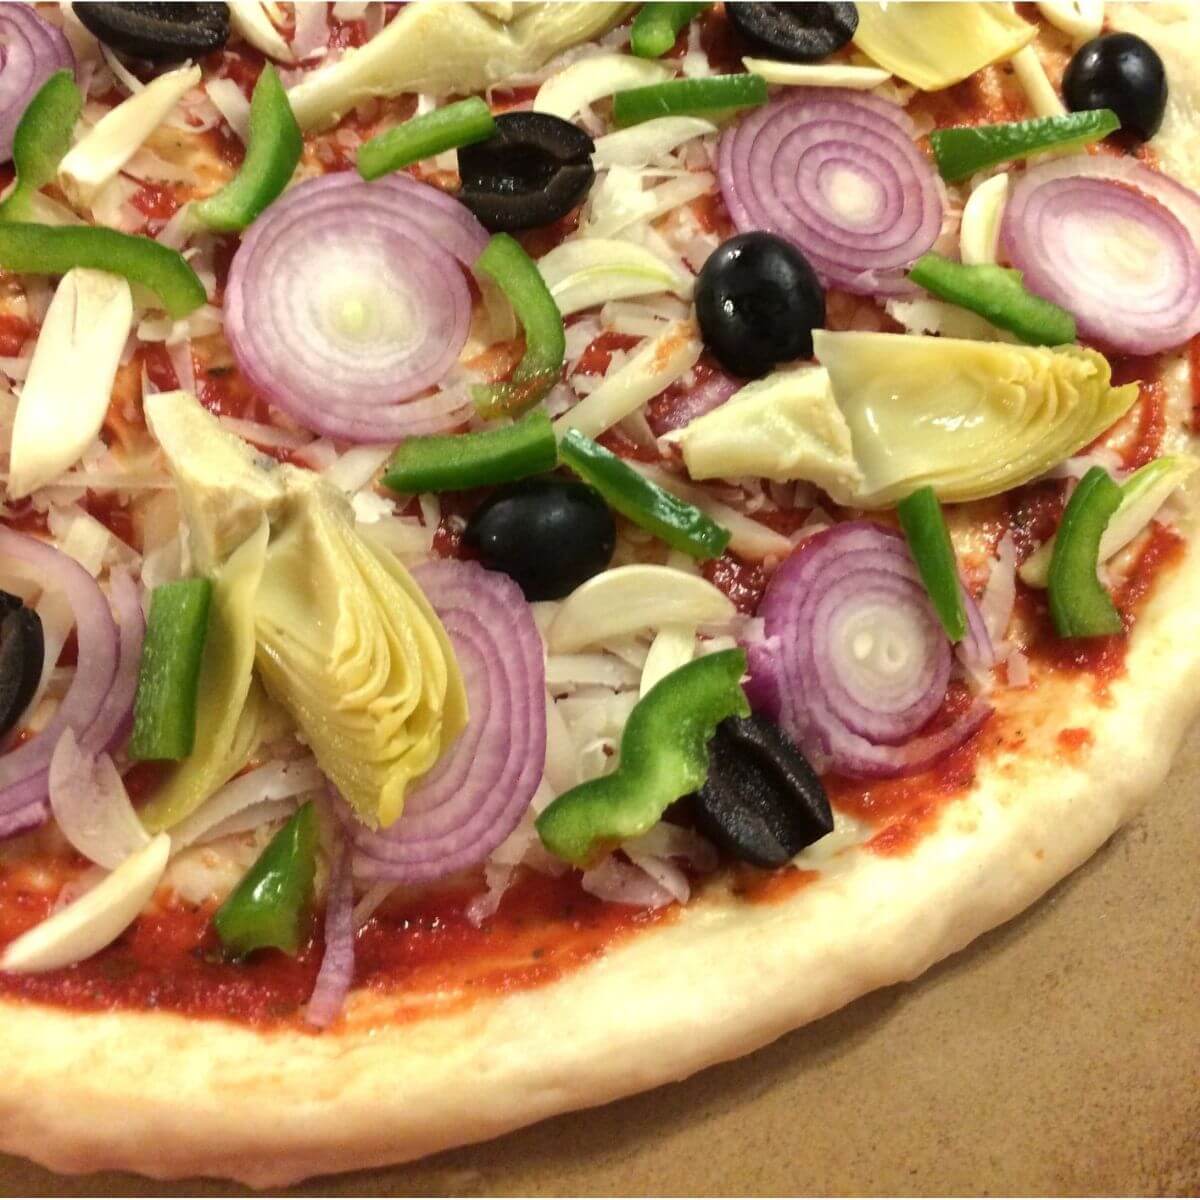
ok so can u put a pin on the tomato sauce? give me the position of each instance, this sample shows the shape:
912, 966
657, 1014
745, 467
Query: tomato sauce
742, 581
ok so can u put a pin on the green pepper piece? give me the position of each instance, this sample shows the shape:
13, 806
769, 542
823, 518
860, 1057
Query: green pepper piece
42, 137
164, 708
1079, 604
964, 149
451, 462
461, 124
682, 97
517, 276
272, 905
680, 524
656, 26
929, 541
664, 755
54, 250
273, 148
999, 295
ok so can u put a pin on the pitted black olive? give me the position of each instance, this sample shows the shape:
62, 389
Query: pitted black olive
762, 803
22, 651
1122, 72
534, 169
798, 32
157, 32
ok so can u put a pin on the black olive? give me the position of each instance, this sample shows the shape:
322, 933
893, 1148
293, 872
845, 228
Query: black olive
758, 301
799, 32
9, 603
22, 651
157, 32
1122, 72
550, 535
533, 169
762, 803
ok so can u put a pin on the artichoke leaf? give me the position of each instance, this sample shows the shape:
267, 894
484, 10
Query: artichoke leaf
438, 47
971, 419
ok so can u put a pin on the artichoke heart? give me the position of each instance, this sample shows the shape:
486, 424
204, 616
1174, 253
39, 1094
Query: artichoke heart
971, 419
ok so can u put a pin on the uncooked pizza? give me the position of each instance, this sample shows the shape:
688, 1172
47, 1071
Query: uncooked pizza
546, 545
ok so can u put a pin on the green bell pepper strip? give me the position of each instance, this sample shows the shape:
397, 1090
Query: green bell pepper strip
1079, 604
964, 149
42, 137
998, 295
164, 707
680, 524
451, 462
664, 755
656, 26
517, 276
55, 250
461, 124
682, 97
929, 541
272, 905
273, 148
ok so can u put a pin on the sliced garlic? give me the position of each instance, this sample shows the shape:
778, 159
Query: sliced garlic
96, 919
69, 385
979, 234
1079, 19
115, 138
672, 648
842, 75
250, 21
634, 599
573, 88
640, 145
1039, 91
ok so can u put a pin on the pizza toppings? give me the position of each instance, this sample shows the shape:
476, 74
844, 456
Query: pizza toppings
549, 534
462, 123
803, 33
273, 149
22, 652
837, 173
929, 543
157, 32
533, 169
1122, 72
656, 26
762, 802
962, 150
42, 137
664, 756
273, 904
164, 710
33, 51
757, 303
713, 95
1079, 604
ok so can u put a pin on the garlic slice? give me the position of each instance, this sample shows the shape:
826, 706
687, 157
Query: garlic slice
634, 599
640, 145
672, 648
96, 919
979, 233
841, 75
70, 380
115, 138
250, 21
1079, 19
1039, 91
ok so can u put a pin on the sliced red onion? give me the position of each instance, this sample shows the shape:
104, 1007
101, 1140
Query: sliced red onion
838, 173
336, 972
862, 661
476, 794
762, 684
1115, 244
114, 722
24, 770
347, 300
621, 882
976, 650
31, 50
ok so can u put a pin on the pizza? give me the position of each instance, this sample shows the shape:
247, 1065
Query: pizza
546, 545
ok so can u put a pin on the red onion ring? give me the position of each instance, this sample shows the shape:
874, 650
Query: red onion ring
476, 794
114, 722
976, 650
24, 771
31, 50
336, 973
1060, 227
346, 301
862, 661
838, 173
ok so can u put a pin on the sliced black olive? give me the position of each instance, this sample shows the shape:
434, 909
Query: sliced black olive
550, 535
762, 802
9, 603
158, 32
22, 650
1122, 72
758, 301
534, 169
798, 32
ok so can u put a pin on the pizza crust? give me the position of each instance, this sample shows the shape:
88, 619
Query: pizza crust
167, 1096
